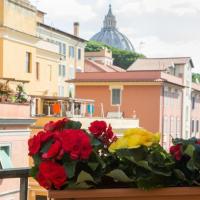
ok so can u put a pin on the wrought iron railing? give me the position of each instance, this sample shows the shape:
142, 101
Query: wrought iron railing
23, 174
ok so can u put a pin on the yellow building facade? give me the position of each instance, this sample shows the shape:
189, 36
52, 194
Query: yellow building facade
40, 55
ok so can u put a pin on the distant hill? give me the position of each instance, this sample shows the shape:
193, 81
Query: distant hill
121, 58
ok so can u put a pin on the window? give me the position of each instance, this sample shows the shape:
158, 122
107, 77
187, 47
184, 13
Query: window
172, 126
193, 103
71, 90
37, 70
197, 126
64, 49
192, 126
116, 96
71, 72
5, 161
39, 197
79, 54
178, 127
62, 70
60, 48
71, 52
165, 132
28, 62
60, 90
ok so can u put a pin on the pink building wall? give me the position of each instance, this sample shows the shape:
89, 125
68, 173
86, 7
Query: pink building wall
19, 158
172, 105
14, 133
195, 114
9, 110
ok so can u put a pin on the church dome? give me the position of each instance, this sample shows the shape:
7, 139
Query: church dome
110, 35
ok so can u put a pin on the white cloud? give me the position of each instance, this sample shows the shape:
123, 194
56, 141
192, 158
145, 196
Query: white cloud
165, 27
152, 46
66, 9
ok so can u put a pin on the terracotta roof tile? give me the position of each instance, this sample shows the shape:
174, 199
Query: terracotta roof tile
158, 63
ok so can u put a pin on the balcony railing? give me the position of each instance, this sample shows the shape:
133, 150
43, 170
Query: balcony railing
23, 174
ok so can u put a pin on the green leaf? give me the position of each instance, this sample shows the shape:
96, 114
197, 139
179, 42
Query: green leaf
84, 185
189, 150
34, 171
84, 176
70, 168
46, 146
95, 142
190, 165
37, 159
119, 175
179, 174
73, 125
93, 165
144, 164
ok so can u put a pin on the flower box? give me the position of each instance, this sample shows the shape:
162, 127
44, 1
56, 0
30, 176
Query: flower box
68, 159
173, 193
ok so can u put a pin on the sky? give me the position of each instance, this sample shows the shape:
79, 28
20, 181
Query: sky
156, 28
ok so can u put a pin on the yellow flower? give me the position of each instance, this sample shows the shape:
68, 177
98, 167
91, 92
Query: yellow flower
134, 138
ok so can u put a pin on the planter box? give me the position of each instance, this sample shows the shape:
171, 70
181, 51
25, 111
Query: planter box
174, 193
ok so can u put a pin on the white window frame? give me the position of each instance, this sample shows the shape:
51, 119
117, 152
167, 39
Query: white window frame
71, 72
9, 153
119, 88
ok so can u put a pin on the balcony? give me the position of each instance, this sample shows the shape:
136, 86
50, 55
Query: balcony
16, 110
22, 174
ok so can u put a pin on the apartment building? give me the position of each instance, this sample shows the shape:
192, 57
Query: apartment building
40, 55
158, 91
14, 134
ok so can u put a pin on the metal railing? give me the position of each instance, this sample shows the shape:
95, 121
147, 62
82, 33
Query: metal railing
23, 174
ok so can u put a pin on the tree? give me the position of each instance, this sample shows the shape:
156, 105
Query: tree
195, 77
122, 58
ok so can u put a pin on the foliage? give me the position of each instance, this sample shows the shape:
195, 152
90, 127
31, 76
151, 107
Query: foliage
8, 95
187, 157
122, 58
195, 77
5, 91
21, 96
68, 157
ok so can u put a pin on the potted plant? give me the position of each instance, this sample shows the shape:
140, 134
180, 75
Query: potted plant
69, 160
5, 92
21, 96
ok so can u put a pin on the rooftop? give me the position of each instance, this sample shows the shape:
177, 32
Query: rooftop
51, 28
101, 67
158, 63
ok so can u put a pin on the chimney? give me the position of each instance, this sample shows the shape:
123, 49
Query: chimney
76, 29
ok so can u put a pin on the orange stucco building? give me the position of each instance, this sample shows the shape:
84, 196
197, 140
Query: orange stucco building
158, 91
140, 97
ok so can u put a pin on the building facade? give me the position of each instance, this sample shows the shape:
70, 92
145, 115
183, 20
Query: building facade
14, 134
100, 61
158, 91
39, 54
